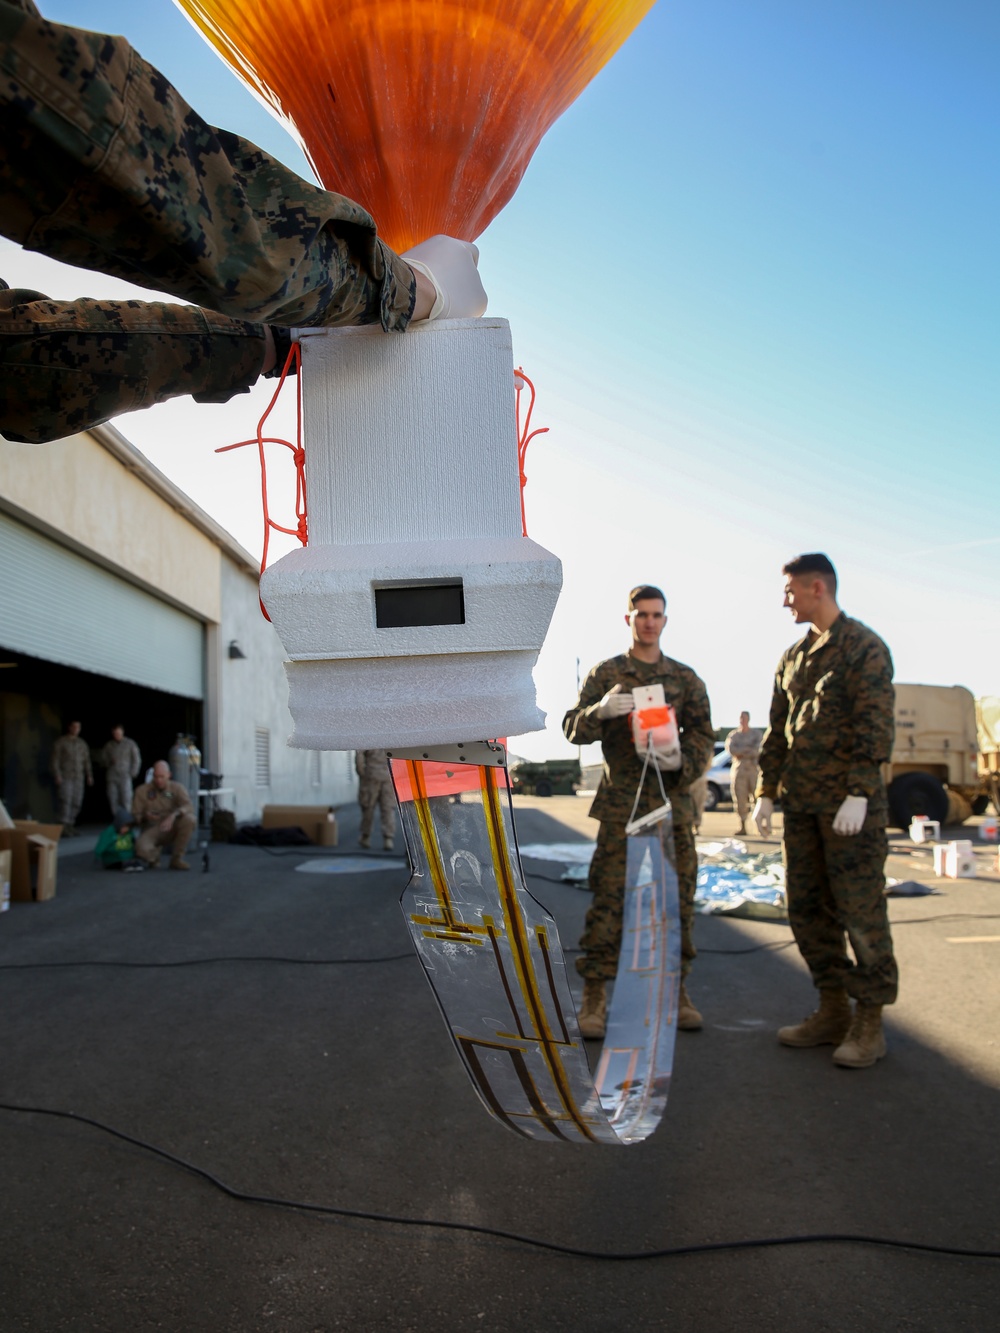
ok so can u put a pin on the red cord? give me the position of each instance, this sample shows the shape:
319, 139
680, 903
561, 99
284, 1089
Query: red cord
301, 529
524, 438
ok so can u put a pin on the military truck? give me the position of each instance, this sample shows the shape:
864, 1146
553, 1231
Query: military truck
940, 763
553, 777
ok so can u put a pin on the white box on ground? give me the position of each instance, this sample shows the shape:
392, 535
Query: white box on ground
955, 860
417, 611
925, 830
988, 829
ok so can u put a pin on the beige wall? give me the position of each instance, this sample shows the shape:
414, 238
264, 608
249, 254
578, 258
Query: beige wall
82, 491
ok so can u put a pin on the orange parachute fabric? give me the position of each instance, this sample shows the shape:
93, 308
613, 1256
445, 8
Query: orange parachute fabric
426, 112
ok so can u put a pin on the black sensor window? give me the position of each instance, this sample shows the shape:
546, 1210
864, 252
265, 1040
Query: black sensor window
422, 604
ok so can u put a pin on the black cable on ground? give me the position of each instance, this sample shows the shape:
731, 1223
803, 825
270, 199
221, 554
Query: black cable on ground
575, 1251
197, 962
772, 946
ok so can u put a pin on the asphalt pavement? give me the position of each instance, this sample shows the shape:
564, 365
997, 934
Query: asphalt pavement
273, 1030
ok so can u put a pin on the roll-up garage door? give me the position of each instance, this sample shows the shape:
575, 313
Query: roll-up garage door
56, 605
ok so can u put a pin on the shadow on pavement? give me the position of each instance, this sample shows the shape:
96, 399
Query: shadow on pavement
336, 1084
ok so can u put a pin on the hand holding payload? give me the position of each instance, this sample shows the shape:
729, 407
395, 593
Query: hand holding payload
654, 728
618, 702
451, 267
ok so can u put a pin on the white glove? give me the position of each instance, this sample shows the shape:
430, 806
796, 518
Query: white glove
851, 815
450, 266
762, 813
616, 703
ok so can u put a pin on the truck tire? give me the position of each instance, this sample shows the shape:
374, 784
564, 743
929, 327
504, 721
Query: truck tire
917, 794
980, 804
712, 796
543, 787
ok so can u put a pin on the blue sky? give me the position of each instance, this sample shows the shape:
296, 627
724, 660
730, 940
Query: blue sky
753, 272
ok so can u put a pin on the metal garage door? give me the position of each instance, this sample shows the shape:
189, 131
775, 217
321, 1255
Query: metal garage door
56, 605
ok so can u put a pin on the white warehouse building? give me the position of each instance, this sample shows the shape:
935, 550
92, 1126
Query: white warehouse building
123, 602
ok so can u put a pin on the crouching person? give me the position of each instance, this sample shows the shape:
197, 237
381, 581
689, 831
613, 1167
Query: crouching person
164, 817
116, 846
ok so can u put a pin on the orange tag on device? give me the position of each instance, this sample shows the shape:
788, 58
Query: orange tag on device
654, 721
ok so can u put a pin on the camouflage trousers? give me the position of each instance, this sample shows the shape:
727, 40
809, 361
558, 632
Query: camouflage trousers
835, 887
741, 785
377, 793
119, 789
69, 799
602, 935
105, 166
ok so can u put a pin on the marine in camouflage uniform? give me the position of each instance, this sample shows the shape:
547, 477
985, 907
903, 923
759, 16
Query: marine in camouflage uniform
375, 788
831, 727
744, 746
103, 165
72, 772
616, 793
122, 760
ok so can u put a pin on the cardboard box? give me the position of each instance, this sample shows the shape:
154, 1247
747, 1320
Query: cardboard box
925, 830
15, 840
43, 861
988, 829
4, 881
317, 822
955, 860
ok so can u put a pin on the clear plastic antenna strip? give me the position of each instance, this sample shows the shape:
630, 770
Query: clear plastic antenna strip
493, 958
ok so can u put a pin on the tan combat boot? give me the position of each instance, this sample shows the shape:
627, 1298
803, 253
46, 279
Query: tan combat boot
594, 1009
178, 863
826, 1027
865, 1040
688, 1017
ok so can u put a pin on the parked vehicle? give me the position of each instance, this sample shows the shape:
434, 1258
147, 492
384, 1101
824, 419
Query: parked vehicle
553, 777
941, 761
717, 776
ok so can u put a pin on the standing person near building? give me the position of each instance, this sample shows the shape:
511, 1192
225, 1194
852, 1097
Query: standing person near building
121, 759
601, 714
743, 745
71, 770
831, 729
375, 788
164, 817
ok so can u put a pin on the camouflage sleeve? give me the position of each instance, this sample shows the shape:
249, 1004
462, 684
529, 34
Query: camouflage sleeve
136, 761
69, 365
87, 770
581, 725
873, 717
359, 763
105, 166
697, 733
774, 747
